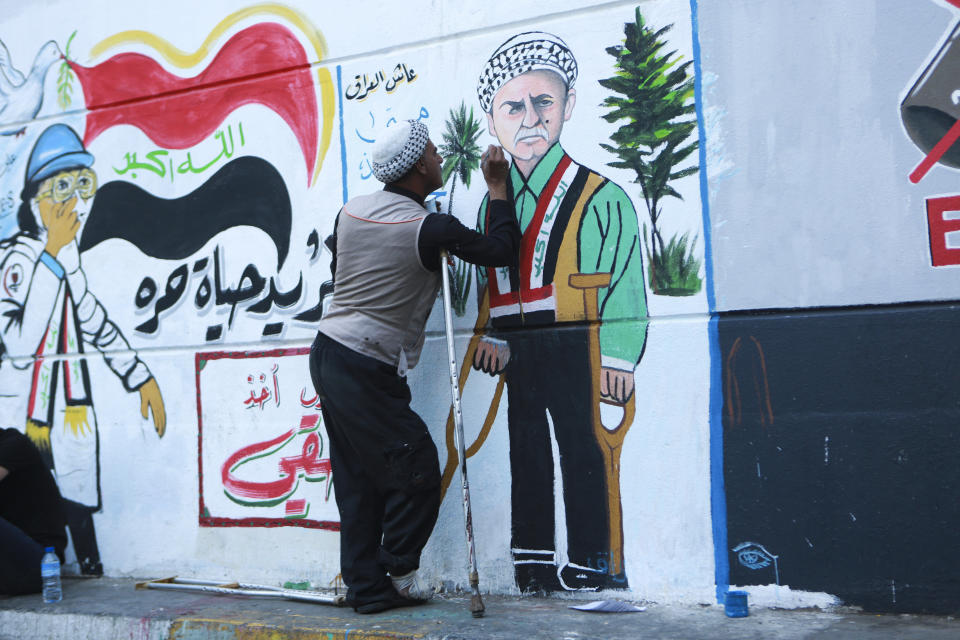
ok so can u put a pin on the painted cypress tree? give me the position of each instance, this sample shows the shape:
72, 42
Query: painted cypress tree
656, 101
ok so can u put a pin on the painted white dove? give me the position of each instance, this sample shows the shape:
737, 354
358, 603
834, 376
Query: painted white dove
21, 98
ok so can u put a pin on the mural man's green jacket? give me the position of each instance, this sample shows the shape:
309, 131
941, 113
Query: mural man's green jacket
609, 242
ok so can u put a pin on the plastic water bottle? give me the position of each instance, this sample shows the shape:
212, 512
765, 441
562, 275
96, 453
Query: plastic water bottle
50, 572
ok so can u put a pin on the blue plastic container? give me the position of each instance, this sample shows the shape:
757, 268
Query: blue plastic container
736, 605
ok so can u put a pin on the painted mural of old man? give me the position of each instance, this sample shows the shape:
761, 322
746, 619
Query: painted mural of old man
574, 221
46, 310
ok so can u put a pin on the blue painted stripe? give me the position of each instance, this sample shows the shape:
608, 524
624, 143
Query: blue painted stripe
52, 264
343, 141
718, 493
702, 133
718, 496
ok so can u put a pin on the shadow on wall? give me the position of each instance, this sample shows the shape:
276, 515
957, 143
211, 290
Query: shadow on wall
840, 450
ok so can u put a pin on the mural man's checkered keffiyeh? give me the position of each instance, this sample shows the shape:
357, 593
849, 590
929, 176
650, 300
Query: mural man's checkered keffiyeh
530, 51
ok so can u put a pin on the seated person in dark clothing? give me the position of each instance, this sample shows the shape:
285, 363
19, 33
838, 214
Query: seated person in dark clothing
31, 515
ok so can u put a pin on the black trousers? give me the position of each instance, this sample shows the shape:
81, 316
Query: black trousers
386, 473
19, 561
549, 370
80, 522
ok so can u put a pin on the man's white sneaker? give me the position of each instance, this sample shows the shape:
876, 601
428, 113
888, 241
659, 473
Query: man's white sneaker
408, 586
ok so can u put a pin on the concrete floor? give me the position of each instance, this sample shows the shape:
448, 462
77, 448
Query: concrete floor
103, 609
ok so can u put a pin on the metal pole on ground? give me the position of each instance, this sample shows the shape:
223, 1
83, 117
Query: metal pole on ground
241, 589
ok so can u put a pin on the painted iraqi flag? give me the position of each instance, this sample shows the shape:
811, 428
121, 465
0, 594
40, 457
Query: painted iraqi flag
247, 191
263, 64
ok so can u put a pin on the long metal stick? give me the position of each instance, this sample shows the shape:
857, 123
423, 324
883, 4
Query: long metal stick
241, 589
476, 602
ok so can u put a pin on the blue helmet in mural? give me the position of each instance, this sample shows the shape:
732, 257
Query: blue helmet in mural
57, 149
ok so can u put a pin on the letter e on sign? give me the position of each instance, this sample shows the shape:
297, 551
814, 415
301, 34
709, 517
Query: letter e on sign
943, 218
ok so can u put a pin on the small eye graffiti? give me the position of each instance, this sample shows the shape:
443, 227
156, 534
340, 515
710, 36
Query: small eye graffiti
754, 556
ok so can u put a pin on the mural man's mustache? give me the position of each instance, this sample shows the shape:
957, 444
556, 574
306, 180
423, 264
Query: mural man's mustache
527, 134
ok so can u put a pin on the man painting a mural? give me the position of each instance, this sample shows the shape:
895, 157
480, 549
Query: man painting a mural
386, 261
48, 312
580, 248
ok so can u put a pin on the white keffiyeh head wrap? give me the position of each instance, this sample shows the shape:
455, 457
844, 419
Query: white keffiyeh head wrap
530, 51
397, 150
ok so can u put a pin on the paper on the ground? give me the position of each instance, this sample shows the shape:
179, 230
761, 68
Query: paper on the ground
608, 606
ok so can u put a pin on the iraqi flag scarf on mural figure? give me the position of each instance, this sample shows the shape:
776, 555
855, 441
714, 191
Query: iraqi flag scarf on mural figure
60, 416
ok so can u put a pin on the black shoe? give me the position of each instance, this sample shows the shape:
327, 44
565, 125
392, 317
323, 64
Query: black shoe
537, 578
574, 577
90, 567
390, 603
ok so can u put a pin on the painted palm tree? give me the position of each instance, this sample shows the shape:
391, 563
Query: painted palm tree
462, 158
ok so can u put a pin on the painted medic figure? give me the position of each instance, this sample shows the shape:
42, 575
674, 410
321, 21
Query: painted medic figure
47, 312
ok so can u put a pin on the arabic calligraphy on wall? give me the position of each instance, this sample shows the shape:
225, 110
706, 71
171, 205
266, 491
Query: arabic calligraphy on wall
209, 287
262, 448
370, 105
161, 162
363, 85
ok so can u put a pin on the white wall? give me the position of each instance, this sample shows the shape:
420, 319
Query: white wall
809, 205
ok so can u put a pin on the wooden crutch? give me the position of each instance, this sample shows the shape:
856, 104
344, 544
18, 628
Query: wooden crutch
611, 440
